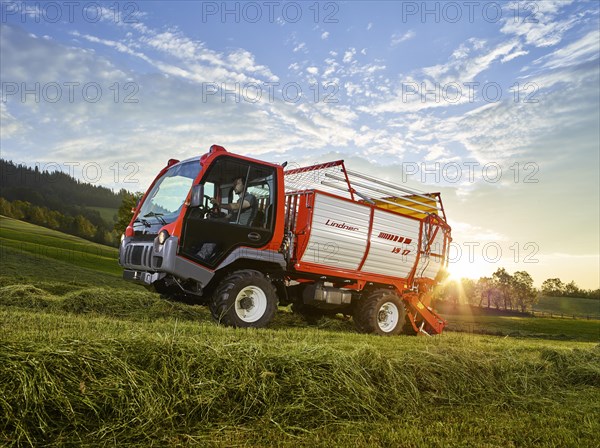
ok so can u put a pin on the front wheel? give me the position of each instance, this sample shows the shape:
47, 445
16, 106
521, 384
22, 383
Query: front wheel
381, 312
245, 298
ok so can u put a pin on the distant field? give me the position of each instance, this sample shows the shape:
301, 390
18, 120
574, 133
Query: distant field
568, 306
530, 327
87, 359
108, 214
38, 244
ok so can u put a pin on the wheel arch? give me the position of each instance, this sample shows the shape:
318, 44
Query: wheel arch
272, 270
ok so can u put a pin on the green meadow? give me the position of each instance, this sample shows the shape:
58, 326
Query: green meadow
568, 306
87, 359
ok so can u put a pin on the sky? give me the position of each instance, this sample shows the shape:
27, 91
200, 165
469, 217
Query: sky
493, 104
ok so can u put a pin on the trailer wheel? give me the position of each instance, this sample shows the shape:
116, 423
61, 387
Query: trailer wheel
244, 298
381, 312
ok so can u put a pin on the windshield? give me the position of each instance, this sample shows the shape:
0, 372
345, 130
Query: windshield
168, 194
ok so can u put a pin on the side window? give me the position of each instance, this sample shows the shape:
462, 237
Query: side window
260, 186
209, 189
244, 190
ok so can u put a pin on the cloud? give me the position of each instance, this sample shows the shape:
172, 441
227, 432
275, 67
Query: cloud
585, 49
325, 35
300, 47
398, 38
348, 55
514, 55
472, 58
11, 127
538, 23
171, 111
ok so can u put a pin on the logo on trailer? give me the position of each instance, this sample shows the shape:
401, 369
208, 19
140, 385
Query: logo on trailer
341, 225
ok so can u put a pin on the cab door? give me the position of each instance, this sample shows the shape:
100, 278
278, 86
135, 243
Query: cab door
210, 234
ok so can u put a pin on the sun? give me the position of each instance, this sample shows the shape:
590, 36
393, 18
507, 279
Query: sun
465, 269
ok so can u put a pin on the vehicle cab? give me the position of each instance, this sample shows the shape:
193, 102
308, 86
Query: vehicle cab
186, 227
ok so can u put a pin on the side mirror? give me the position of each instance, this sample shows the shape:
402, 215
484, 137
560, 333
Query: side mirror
137, 204
197, 195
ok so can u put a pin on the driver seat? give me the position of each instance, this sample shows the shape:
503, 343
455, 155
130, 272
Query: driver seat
252, 217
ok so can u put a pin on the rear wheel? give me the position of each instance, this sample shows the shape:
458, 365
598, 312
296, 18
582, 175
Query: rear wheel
244, 298
381, 312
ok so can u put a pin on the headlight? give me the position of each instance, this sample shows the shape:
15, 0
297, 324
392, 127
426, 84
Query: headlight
122, 237
162, 237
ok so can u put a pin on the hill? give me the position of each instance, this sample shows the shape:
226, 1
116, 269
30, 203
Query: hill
35, 252
58, 201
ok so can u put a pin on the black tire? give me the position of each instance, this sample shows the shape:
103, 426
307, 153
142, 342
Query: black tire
244, 298
382, 312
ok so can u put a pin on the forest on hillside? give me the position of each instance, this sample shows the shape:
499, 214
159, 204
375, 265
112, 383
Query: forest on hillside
58, 201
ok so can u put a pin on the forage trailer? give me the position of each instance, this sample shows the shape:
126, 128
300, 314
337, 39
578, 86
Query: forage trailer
244, 236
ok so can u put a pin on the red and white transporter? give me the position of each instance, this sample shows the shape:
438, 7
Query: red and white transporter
242, 236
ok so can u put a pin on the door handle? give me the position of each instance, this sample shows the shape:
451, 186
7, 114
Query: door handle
254, 236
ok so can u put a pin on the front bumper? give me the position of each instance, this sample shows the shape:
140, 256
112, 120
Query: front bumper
142, 277
146, 262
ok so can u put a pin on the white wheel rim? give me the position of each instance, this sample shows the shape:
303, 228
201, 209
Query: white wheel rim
251, 304
388, 317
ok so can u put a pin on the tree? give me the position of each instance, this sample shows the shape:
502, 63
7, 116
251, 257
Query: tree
20, 209
6, 208
467, 291
83, 227
449, 292
523, 291
124, 214
553, 287
572, 290
54, 219
36, 215
485, 291
504, 282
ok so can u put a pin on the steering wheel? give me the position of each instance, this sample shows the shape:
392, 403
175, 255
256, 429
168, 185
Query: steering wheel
205, 208
210, 211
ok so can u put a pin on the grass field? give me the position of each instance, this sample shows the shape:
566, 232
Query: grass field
569, 306
545, 328
87, 359
39, 244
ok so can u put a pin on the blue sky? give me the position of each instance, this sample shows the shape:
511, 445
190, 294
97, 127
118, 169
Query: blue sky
440, 95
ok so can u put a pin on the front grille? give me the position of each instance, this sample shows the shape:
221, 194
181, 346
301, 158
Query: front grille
138, 255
